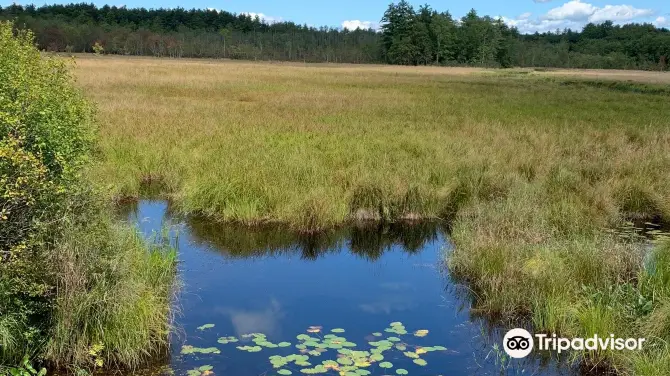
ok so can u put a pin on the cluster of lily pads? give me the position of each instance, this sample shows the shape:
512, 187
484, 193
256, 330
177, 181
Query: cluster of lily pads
348, 361
201, 371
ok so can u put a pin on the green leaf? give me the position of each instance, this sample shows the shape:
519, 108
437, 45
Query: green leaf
439, 348
338, 330
205, 368
377, 334
377, 357
206, 326
284, 344
284, 372
420, 362
401, 371
345, 361
386, 364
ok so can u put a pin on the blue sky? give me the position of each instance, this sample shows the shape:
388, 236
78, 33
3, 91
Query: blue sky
527, 15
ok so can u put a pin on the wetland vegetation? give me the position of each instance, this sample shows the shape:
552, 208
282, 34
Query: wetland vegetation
77, 289
531, 171
540, 178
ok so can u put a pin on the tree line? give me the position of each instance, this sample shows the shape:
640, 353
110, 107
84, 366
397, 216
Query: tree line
407, 35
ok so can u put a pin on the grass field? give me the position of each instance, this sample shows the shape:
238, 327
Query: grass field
532, 169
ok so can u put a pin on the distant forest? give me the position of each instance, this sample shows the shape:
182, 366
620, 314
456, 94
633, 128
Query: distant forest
409, 36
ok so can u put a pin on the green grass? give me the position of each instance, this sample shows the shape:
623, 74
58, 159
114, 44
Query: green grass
530, 172
318, 146
115, 292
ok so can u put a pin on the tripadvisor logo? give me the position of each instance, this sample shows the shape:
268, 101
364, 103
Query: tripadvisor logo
518, 343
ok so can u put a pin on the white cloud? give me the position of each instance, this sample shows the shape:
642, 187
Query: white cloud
662, 22
524, 16
357, 24
529, 26
264, 17
573, 10
575, 14
619, 13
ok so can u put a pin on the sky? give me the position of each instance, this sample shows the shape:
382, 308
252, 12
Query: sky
527, 15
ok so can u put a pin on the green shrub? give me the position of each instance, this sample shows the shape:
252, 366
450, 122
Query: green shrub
72, 283
46, 135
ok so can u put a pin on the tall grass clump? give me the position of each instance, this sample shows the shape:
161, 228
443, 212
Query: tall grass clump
76, 290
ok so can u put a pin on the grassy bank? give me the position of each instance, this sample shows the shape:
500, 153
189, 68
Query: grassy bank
77, 291
532, 169
314, 146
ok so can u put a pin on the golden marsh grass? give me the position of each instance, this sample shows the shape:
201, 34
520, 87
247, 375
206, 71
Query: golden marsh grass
247, 141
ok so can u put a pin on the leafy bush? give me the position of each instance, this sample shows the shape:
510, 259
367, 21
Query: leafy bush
61, 256
46, 135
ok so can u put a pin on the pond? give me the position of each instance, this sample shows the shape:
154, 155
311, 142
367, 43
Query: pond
364, 300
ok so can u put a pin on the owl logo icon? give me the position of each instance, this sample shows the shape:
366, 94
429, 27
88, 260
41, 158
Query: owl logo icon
518, 343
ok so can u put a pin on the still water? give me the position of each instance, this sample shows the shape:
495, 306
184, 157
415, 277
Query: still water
261, 288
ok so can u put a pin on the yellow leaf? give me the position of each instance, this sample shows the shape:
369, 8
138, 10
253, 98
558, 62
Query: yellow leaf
421, 333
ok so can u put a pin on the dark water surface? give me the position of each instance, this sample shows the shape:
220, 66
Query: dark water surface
361, 279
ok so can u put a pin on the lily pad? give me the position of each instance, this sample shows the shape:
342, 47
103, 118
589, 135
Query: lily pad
206, 326
337, 330
205, 368
284, 372
411, 354
421, 333
284, 344
345, 361
377, 357
420, 362
401, 371
386, 364
439, 348
226, 340
187, 349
